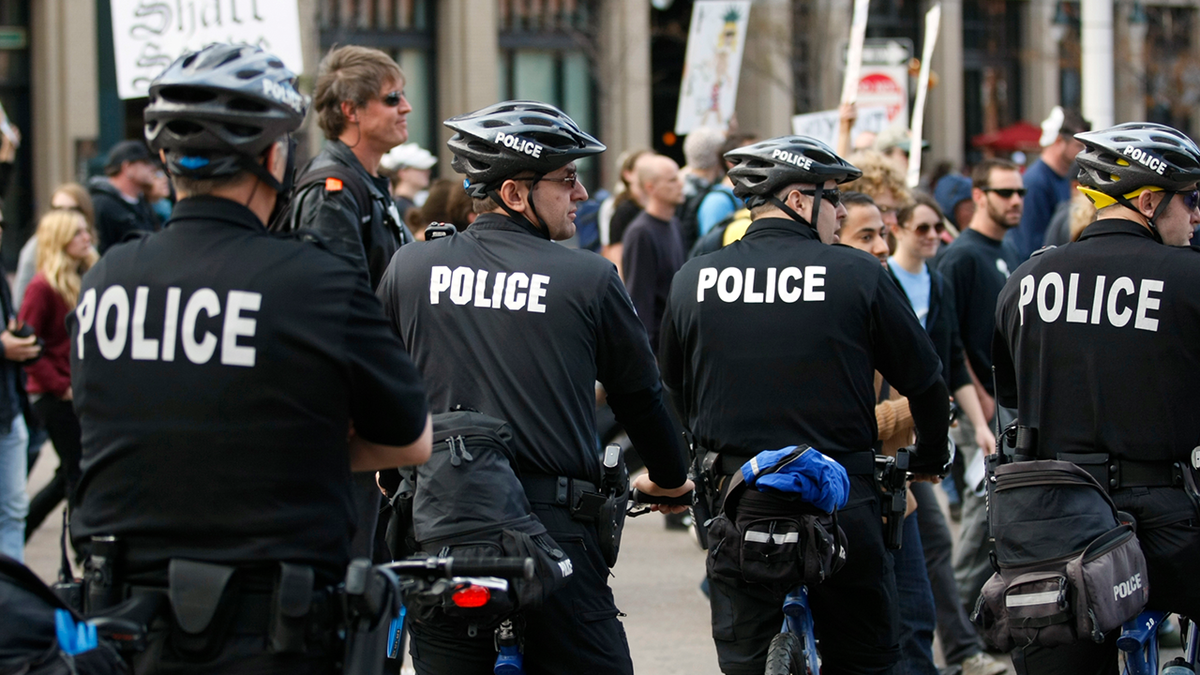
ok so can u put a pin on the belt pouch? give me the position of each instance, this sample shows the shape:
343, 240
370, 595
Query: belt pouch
290, 605
1095, 463
203, 600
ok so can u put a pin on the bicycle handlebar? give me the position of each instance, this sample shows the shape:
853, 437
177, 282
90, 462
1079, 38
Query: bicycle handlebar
434, 566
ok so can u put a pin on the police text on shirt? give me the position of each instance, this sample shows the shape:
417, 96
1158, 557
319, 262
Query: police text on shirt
789, 285
98, 316
1114, 302
513, 291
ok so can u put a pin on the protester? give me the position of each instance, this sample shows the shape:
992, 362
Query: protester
70, 196
411, 165
14, 435
1048, 179
447, 203
119, 197
653, 251
65, 252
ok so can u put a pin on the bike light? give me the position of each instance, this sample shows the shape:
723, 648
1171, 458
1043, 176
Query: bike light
471, 596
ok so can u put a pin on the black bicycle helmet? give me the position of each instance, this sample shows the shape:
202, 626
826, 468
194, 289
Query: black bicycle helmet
1118, 161
761, 170
216, 110
502, 140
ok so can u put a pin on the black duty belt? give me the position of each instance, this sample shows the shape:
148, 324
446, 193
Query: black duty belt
581, 497
855, 463
1114, 473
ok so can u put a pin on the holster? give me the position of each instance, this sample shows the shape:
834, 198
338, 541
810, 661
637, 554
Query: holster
610, 521
203, 600
290, 605
708, 497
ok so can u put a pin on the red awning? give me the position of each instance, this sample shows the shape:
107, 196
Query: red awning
1020, 136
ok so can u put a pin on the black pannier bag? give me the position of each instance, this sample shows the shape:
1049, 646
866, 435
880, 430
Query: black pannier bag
773, 538
1066, 568
467, 501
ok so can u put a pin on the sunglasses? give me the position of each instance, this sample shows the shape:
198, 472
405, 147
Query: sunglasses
1191, 200
392, 99
924, 228
834, 197
570, 181
1006, 193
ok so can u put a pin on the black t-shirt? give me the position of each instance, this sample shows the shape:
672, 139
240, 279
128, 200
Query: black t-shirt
1112, 371
623, 215
216, 370
521, 328
774, 340
652, 255
977, 267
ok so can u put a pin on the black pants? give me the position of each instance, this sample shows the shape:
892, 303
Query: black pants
1168, 527
575, 631
58, 416
241, 654
960, 640
855, 611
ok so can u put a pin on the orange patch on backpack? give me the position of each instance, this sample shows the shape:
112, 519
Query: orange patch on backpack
332, 185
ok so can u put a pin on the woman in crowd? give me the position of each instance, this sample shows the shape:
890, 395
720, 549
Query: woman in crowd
72, 196
65, 252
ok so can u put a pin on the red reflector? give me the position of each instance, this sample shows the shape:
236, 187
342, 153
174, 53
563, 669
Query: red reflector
472, 596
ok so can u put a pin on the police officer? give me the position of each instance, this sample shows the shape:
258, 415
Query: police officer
1098, 345
503, 320
774, 341
227, 382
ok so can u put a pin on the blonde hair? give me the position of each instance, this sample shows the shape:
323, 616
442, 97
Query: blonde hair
64, 274
879, 175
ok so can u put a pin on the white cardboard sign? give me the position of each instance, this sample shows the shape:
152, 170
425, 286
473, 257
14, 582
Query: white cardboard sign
823, 125
148, 35
712, 64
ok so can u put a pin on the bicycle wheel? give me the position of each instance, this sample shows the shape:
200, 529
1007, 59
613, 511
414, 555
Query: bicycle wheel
785, 656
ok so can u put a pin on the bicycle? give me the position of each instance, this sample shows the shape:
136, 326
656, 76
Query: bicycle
1139, 643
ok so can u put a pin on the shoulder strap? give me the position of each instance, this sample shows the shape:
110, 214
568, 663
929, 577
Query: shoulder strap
337, 177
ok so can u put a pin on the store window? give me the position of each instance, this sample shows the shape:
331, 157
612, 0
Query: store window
547, 54
1172, 83
405, 30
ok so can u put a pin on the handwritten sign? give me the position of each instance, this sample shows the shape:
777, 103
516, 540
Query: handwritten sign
854, 56
712, 64
823, 125
148, 35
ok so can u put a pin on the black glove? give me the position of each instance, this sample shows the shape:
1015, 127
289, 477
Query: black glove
931, 459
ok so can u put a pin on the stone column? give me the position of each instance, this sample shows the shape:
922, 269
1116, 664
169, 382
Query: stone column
468, 57
764, 101
63, 90
945, 111
623, 81
1040, 61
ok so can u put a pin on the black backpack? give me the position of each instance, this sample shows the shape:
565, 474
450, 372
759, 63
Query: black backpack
467, 501
688, 214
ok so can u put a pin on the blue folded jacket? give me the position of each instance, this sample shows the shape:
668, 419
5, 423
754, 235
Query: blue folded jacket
801, 470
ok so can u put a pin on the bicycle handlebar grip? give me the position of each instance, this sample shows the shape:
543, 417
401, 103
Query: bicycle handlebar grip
683, 500
507, 568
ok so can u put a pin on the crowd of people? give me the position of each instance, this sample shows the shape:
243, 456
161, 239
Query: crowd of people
313, 355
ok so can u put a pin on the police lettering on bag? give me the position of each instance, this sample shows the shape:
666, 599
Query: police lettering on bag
109, 316
513, 291
1116, 302
753, 286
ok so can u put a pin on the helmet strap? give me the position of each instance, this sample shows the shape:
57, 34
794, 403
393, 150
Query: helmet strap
1162, 206
792, 213
522, 219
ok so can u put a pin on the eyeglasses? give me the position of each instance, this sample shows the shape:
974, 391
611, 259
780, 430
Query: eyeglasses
570, 181
392, 99
834, 197
1006, 193
924, 228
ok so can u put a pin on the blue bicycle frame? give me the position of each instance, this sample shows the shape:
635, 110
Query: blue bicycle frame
797, 619
1139, 641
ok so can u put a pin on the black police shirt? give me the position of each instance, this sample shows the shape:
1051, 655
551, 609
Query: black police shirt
216, 370
977, 267
1097, 345
774, 340
520, 328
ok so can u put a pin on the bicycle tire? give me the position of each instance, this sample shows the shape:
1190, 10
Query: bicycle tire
785, 656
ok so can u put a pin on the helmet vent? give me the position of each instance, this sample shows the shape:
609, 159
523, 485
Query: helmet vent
246, 105
248, 73
183, 128
275, 63
537, 121
190, 95
242, 130
491, 124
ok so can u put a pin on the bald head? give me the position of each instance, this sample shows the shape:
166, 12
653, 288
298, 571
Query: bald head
658, 175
